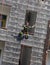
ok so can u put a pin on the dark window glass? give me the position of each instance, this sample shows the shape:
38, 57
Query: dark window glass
2, 21
31, 19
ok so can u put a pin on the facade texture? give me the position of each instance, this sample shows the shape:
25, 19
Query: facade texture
17, 12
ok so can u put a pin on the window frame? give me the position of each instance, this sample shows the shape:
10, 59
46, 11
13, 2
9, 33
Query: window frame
31, 12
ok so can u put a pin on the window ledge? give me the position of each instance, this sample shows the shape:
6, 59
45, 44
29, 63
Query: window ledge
3, 28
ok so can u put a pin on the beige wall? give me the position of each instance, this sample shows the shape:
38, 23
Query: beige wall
2, 45
4, 9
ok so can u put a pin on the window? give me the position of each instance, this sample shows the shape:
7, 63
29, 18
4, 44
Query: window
31, 19
2, 21
4, 15
25, 55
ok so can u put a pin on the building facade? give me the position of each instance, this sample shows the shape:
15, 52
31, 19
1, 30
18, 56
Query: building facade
14, 12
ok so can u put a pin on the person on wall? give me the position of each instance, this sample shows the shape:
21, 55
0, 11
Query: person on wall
24, 34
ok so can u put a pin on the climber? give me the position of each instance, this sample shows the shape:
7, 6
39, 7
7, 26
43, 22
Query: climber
24, 33
19, 37
25, 30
